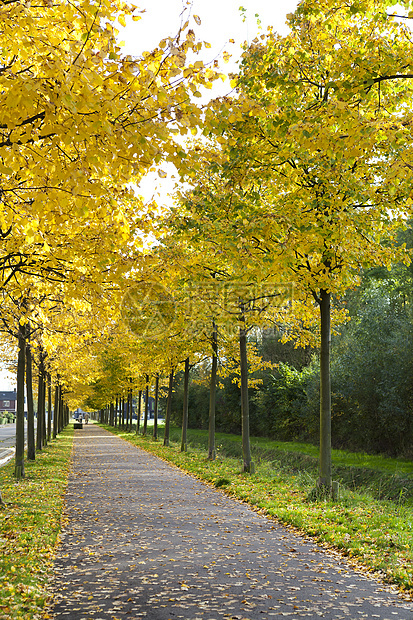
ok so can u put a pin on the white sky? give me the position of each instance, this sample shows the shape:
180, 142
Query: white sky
221, 20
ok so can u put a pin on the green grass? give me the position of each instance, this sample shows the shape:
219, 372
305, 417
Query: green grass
29, 528
374, 534
339, 457
382, 477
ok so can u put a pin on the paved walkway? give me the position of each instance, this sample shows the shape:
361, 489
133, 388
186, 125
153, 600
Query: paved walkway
145, 540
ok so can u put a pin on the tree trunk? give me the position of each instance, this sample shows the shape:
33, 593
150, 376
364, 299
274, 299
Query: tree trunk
19, 456
155, 410
130, 398
248, 465
128, 411
184, 446
49, 407
138, 421
31, 445
168, 409
40, 406
324, 480
60, 411
212, 394
44, 407
112, 414
56, 411
145, 418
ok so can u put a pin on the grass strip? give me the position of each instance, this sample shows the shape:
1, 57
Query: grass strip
380, 476
29, 528
374, 535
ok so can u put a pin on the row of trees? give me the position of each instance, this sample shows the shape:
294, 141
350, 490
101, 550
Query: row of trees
371, 371
79, 124
293, 185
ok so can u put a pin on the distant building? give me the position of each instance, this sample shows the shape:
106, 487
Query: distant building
8, 401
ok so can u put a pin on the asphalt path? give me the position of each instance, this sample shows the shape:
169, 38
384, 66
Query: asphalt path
8, 441
145, 540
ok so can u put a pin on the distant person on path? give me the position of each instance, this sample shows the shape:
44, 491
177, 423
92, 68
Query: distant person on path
86, 418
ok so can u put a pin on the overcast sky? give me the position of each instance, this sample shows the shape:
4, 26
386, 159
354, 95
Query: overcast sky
221, 20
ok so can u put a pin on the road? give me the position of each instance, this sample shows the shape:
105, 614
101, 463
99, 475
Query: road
8, 441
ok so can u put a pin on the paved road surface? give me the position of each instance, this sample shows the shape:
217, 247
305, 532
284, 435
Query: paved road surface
145, 540
8, 441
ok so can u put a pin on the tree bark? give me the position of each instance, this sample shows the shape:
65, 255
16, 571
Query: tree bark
129, 408
248, 465
31, 445
60, 410
40, 405
139, 412
212, 394
155, 410
168, 409
324, 480
184, 446
56, 411
130, 398
145, 417
44, 406
49, 407
19, 456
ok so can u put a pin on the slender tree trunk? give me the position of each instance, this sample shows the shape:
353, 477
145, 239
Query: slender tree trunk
19, 456
112, 414
128, 412
56, 411
130, 397
31, 444
60, 411
248, 465
184, 439
212, 394
324, 480
49, 407
168, 409
116, 411
44, 407
145, 418
155, 410
40, 411
138, 421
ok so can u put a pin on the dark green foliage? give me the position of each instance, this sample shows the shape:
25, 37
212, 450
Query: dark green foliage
283, 407
372, 373
372, 378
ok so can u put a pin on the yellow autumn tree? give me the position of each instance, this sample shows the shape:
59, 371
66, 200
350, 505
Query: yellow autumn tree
311, 149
